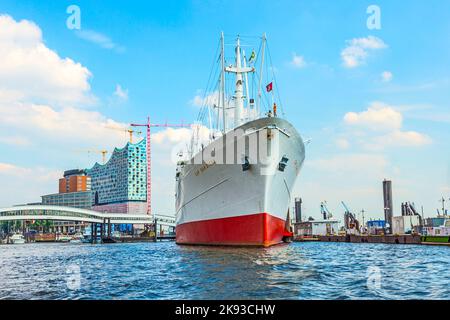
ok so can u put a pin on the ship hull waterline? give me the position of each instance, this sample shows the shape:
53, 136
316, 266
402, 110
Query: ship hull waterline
260, 229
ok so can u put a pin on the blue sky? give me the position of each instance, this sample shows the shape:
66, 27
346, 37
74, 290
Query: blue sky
388, 116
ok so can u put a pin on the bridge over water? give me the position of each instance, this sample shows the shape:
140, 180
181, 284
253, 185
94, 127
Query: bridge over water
59, 213
45, 212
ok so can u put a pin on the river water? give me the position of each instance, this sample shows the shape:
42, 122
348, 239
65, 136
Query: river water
165, 270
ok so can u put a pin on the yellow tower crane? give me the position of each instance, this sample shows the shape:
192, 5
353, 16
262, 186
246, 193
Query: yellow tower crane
102, 152
127, 130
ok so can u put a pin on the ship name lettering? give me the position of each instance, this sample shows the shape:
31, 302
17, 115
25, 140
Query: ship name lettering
205, 166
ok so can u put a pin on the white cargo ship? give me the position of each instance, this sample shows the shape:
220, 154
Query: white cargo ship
235, 188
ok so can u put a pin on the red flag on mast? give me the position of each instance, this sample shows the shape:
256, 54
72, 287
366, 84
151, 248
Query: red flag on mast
269, 87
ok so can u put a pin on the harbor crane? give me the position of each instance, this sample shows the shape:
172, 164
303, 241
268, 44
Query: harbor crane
409, 209
349, 218
324, 211
149, 125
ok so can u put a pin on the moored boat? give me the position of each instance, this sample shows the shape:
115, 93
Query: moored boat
235, 188
17, 238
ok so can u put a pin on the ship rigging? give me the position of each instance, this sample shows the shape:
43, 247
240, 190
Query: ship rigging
240, 88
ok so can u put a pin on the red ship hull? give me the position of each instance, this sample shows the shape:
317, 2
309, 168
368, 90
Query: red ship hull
260, 229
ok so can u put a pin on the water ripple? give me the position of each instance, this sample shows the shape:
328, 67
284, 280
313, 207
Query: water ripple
168, 271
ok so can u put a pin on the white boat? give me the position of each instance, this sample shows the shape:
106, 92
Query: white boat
77, 238
236, 188
63, 238
17, 238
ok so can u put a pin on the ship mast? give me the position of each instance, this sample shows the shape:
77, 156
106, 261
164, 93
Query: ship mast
222, 83
238, 70
258, 105
247, 95
239, 92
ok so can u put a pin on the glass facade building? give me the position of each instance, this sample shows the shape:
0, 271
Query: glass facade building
120, 185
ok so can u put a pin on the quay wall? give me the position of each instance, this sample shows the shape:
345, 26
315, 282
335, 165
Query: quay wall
392, 239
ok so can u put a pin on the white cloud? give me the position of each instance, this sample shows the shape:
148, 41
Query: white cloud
40, 173
31, 181
99, 39
25, 32
298, 61
38, 94
38, 90
209, 100
403, 139
380, 126
358, 49
342, 143
15, 140
44, 123
121, 93
30, 70
378, 116
356, 163
386, 76
445, 190
174, 136
12, 170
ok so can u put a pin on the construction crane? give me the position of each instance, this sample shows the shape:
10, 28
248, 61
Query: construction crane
349, 218
149, 125
127, 130
102, 152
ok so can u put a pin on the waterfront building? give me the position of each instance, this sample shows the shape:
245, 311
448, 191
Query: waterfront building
405, 224
120, 185
316, 228
74, 191
82, 200
376, 227
74, 181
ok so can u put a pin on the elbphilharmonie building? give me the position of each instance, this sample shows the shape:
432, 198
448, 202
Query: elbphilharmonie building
120, 185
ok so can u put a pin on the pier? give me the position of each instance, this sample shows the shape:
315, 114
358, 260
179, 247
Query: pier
387, 239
